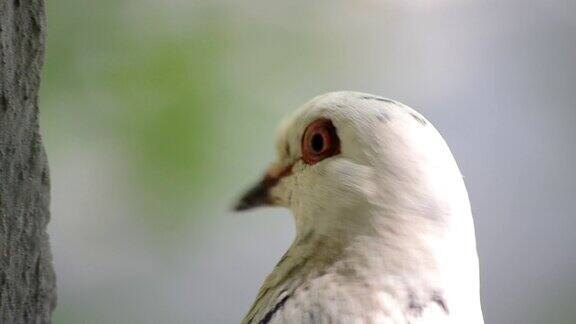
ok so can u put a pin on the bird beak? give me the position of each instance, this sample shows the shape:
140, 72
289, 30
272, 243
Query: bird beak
259, 195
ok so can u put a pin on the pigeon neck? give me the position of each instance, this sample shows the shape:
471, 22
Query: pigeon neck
431, 260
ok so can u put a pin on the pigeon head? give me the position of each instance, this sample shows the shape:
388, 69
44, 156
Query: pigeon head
347, 158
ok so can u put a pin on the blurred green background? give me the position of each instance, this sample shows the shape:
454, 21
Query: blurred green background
156, 114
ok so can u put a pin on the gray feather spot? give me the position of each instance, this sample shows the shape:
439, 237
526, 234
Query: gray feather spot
416, 305
274, 309
383, 117
377, 99
418, 119
439, 299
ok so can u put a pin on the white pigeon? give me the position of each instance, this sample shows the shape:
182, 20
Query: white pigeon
384, 228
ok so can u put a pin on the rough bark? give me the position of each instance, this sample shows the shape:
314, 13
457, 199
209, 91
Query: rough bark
27, 281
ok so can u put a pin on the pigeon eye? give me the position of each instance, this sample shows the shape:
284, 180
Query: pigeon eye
319, 141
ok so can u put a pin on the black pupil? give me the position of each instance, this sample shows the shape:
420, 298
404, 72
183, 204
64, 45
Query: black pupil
317, 142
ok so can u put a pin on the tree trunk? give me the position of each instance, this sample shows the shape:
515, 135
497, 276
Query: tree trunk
27, 281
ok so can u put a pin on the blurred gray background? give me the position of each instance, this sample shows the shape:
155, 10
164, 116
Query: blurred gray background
157, 114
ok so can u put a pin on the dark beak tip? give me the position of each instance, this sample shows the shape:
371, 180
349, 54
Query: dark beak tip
257, 196
247, 203
241, 206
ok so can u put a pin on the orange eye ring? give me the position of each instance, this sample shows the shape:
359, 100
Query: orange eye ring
319, 141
